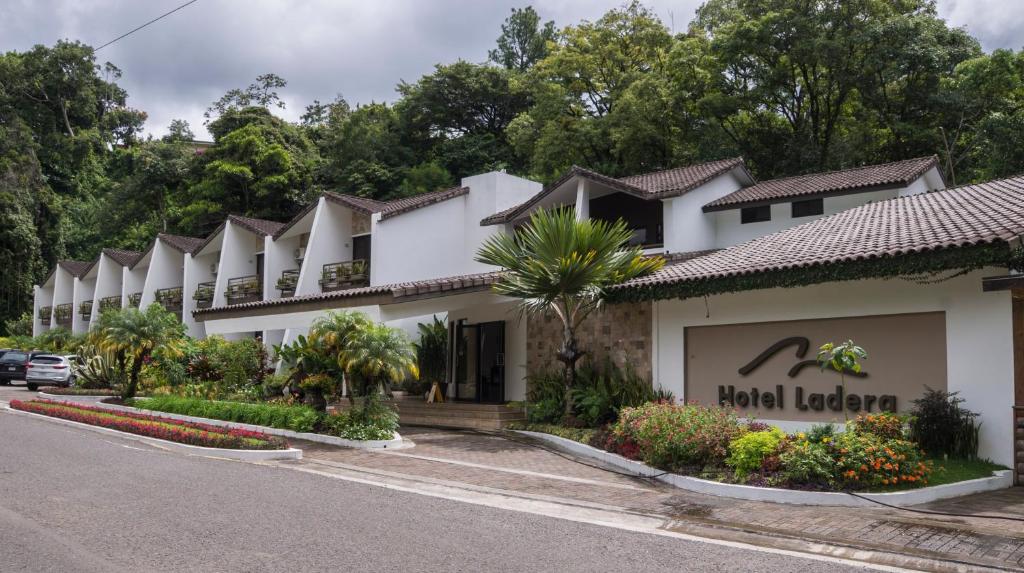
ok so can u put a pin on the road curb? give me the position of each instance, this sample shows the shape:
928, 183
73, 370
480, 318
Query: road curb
240, 455
1000, 479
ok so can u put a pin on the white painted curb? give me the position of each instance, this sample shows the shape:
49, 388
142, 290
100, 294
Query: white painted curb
396, 443
1000, 479
243, 455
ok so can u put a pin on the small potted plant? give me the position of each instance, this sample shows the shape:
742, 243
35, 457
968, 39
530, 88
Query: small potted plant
358, 270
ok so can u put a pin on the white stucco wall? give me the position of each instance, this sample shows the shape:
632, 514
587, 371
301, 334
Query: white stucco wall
238, 258
63, 291
297, 321
978, 334
134, 281
43, 296
84, 289
166, 270
194, 272
278, 258
686, 227
109, 275
330, 241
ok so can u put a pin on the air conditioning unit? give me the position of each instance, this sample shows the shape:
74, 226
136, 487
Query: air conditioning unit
213, 268
299, 253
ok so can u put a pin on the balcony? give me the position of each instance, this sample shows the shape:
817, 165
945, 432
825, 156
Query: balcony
110, 302
345, 275
204, 294
62, 313
85, 309
244, 289
135, 299
45, 312
287, 283
170, 298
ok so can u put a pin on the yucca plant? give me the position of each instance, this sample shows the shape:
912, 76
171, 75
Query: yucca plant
556, 263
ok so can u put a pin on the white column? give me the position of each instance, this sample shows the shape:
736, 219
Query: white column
582, 200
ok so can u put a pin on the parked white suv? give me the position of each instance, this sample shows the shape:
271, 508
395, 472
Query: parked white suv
51, 370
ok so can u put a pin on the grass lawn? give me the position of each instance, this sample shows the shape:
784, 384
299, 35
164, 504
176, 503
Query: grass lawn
953, 470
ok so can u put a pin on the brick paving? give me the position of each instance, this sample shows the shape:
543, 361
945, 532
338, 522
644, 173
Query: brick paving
517, 467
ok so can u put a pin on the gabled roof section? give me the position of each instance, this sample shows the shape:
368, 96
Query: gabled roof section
406, 204
258, 226
76, 268
361, 204
122, 257
650, 186
180, 243
858, 179
971, 215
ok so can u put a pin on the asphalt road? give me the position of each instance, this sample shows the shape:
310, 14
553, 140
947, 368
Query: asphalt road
74, 500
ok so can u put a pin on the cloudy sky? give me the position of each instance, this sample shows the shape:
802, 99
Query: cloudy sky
358, 48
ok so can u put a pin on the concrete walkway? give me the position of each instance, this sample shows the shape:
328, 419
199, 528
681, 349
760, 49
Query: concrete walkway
519, 466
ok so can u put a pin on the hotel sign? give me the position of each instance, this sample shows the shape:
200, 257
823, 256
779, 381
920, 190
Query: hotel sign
769, 370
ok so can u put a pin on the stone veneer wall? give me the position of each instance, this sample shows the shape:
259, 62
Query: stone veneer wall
622, 332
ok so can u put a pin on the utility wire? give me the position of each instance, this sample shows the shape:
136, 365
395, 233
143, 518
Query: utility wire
160, 17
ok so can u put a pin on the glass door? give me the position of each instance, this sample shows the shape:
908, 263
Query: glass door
480, 371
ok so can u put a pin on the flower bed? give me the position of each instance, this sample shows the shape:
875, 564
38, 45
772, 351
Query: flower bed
192, 434
281, 416
711, 442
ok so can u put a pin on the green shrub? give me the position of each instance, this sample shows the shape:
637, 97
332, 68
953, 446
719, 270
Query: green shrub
675, 437
295, 418
748, 451
821, 433
885, 426
546, 411
346, 425
942, 427
808, 462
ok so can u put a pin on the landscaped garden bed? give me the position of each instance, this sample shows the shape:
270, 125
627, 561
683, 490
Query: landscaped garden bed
76, 391
296, 418
189, 433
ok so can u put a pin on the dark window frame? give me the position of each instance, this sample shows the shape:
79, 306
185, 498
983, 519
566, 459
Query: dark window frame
807, 208
755, 214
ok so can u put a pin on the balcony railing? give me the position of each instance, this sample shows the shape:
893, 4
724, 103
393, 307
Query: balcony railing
288, 282
244, 289
170, 298
345, 275
135, 299
45, 312
85, 309
62, 313
110, 302
204, 294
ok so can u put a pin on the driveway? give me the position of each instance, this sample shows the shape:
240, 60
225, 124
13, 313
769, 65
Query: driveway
74, 500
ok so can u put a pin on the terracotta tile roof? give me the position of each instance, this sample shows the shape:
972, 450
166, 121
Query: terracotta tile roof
76, 268
847, 180
398, 291
406, 204
258, 226
183, 244
361, 204
656, 185
122, 257
959, 217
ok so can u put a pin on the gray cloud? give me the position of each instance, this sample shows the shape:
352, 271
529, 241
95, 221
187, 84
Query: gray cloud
360, 49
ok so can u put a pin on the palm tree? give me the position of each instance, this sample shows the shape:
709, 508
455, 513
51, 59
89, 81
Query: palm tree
135, 333
560, 264
380, 354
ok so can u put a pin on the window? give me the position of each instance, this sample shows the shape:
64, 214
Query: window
756, 214
808, 208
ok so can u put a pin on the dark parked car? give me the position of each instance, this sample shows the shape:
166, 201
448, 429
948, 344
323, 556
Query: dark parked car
13, 365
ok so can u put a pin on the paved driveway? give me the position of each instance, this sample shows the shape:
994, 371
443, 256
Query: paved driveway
74, 500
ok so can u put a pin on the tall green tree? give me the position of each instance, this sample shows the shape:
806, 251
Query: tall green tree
524, 40
556, 263
135, 334
260, 166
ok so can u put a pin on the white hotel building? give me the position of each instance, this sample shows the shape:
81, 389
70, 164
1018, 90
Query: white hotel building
758, 275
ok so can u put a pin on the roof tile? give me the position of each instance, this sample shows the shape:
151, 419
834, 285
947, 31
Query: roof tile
258, 226
183, 244
958, 217
858, 178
